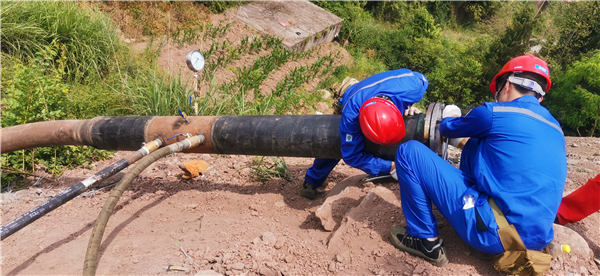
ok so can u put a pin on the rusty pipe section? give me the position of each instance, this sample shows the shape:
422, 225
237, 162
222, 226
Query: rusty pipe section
294, 135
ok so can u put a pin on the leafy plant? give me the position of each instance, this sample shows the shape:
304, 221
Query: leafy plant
35, 92
575, 96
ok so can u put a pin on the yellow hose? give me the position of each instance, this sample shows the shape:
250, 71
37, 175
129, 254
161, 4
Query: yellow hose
91, 257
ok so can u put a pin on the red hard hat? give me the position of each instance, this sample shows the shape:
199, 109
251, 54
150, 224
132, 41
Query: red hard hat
381, 121
526, 63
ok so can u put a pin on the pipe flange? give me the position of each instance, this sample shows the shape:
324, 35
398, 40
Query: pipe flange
432, 135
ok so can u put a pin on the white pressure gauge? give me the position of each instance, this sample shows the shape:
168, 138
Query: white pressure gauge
195, 60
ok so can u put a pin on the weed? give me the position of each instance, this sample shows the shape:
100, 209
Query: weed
274, 167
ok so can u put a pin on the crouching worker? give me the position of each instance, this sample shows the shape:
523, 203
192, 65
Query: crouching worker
371, 109
512, 174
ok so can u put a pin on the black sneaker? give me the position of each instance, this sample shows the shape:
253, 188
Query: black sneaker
309, 191
432, 251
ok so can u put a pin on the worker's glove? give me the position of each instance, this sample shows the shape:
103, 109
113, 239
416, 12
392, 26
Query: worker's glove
451, 111
193, 168
412, 110
394, 175
458, 143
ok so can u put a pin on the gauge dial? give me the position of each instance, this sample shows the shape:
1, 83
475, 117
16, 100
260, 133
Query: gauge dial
195, 60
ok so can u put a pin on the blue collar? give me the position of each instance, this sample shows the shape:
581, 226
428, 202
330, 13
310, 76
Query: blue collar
526, 99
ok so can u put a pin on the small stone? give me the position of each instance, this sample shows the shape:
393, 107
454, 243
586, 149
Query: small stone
279, 204
381, 272
229, 273
597, 154
326, 93
205, 157
269, 238
574, 145
256, 241
419, 269
39, 191
226, 257
238, 266
127, 40
572, 162
279, 244
289, 259
583, 270
331, 267
266, 272
343, 257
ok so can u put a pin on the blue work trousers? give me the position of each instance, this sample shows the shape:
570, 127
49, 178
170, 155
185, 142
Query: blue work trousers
426, 178
317, 174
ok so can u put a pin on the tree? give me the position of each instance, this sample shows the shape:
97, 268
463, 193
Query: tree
575, 97
578, 31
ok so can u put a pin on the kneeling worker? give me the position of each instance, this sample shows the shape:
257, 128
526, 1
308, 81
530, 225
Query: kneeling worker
512, 171
371, 109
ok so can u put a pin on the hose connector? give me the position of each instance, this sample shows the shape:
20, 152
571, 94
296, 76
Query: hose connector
151, 146
189, 142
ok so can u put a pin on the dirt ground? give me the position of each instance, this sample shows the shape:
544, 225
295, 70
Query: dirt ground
226, 222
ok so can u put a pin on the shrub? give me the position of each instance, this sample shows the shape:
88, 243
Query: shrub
575, 97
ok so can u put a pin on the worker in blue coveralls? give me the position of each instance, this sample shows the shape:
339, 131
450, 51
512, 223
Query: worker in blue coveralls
514, 163
371, 109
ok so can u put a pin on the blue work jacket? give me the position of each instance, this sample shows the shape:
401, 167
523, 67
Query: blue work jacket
517, 155
403, 86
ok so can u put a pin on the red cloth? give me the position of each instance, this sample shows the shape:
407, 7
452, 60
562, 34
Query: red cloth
580, 203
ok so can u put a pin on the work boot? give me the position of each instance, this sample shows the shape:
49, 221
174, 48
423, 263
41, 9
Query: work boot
432, 251
309, 191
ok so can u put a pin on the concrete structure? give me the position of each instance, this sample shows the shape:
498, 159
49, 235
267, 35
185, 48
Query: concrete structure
300, 24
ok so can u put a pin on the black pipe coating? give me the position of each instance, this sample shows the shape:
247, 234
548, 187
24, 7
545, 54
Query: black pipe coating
298, 136
119, 133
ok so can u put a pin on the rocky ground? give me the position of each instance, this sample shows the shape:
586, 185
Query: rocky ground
226, 222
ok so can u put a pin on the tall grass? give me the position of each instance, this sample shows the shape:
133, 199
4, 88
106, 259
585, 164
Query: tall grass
89, 37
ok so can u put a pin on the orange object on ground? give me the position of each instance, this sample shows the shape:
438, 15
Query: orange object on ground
193, 168
580, 203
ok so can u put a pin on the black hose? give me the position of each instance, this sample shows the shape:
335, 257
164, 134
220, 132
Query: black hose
91, 257
68, 194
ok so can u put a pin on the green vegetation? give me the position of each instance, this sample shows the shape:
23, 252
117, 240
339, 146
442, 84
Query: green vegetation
88, 38
460, 45
264, 169
576, 100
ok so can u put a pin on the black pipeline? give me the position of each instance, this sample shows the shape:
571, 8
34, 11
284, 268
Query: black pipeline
295, 135
68, 194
